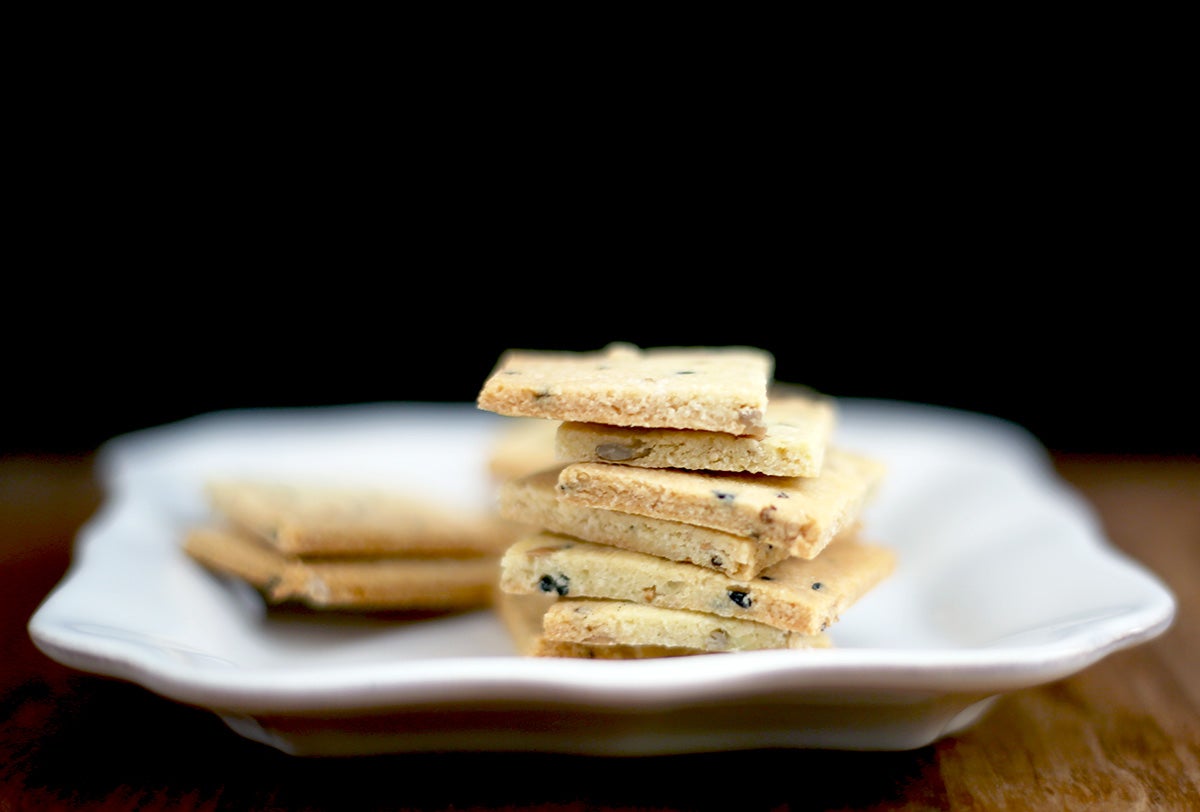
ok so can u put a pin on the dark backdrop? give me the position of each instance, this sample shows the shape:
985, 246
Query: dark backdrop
1046, 279
1083, 376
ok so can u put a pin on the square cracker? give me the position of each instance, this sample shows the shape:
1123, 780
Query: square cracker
799, 595
710, 388
522, 618
593, 621
532, 500
804, 513
358, 583
799, 426
310, 519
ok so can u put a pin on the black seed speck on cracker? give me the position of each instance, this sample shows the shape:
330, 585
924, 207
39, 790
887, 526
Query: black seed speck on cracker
686, 372
782, 495
816, 585
742, 599
722, 496
715, 561
559, 584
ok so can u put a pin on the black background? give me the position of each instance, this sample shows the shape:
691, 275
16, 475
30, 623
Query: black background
1044, 277
1082, 377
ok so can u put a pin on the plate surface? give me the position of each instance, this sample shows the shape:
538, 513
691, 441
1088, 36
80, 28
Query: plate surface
1004, 580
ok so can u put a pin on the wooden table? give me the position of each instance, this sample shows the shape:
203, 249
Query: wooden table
1123, 734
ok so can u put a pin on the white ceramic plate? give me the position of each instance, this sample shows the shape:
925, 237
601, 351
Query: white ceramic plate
1004, 581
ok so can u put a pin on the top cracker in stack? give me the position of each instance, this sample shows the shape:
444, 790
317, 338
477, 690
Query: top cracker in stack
695, 504
722, 389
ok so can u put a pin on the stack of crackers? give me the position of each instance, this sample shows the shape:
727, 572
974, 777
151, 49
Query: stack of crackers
342, 547
695, 505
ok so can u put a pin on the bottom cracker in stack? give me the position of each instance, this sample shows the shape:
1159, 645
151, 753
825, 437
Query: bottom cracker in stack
348, 547
543, 625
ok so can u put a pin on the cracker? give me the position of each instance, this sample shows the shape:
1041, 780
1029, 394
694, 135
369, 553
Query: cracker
522, 617
521, 446
798, 430
345, 583
546, 647
709, 388
591, 621
308, 519
532, 500
805, 513
799, 595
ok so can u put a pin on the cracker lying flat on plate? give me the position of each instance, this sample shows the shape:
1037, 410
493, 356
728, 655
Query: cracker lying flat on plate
802, 512
799, 595
532, 500
375, 583
308, 519
592, 621
709, 388
798, 430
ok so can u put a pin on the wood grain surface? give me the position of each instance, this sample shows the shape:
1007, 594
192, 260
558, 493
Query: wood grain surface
1123, 734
